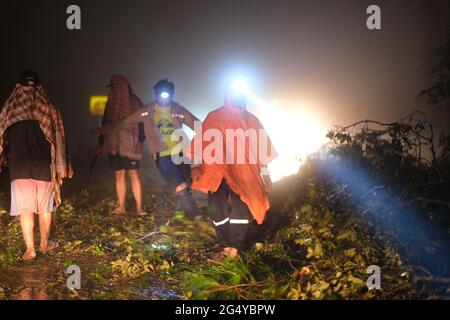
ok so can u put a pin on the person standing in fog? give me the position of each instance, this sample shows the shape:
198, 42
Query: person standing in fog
33, 146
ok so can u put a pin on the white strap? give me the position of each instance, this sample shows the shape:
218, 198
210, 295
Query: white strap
239, 221
221, 222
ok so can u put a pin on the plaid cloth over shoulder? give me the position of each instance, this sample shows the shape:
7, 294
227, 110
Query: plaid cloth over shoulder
31, 103
122, 102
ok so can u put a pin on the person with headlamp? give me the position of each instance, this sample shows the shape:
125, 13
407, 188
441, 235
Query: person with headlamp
161, 118
170, 116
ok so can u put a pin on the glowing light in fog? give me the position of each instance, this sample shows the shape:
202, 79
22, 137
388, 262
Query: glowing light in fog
239, 85
295, 133
295, 130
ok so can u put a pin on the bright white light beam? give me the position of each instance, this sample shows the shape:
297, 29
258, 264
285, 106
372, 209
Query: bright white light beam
239, 86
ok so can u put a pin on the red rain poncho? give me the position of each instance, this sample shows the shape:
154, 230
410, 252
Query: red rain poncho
243, 178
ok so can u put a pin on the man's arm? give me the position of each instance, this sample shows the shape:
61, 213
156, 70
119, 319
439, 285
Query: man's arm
132, 120
187, 117
4, 154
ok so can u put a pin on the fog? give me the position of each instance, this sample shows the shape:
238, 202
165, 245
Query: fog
311, 56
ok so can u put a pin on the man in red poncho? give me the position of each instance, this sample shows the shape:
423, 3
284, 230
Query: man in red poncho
233, 151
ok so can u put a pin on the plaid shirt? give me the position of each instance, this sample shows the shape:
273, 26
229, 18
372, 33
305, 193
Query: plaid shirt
121, 103
28, 103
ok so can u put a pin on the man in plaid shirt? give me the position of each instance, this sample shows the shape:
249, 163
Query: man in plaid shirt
32, 144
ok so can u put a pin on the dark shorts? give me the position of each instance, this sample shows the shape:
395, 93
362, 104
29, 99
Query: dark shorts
117, 163
174, 174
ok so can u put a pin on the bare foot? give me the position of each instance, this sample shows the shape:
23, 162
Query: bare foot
50, 246
233, 253
28, 255
224, 254
119, 210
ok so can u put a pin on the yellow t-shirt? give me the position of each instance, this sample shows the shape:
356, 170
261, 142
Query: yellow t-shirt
163, 119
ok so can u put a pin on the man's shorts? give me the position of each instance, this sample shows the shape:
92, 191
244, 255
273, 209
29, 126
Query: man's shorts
174, 174
117, 163
31, 196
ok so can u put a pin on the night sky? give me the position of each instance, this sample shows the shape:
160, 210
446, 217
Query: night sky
313, 55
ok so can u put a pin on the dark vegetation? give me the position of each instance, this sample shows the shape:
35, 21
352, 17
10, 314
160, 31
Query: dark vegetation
379, 196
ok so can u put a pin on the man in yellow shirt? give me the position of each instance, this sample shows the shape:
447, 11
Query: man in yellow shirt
161, 118
169, 116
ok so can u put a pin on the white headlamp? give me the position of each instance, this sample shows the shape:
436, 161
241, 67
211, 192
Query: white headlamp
165, 95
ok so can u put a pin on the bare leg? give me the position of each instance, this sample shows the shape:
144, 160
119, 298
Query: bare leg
45, 222
137, 189
27, 224
121, 190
